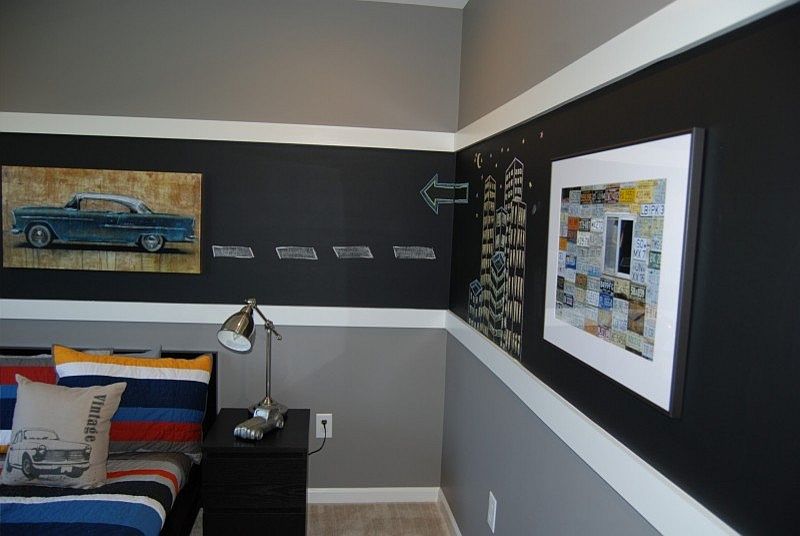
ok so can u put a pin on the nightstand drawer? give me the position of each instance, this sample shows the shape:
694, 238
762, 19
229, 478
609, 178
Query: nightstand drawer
261, 524
264, 497
225, 470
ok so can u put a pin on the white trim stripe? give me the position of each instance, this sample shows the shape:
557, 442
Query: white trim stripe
667, 507
206, 313
677, 27
206, 129
91, 368
371, 495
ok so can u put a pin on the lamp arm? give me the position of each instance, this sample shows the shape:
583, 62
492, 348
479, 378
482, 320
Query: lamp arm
268, 323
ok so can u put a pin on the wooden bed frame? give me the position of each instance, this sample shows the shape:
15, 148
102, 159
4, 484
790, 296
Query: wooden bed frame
181, 517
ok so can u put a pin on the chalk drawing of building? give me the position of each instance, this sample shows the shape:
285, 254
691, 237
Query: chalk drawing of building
514, 181
495, 305
497, 297
515, 281
475, 301
487, 250
514, 229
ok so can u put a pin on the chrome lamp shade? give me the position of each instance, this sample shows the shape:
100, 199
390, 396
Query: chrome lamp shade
238, 333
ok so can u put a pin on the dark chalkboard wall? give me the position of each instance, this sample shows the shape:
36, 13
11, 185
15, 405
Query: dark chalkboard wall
263, 196
737, 446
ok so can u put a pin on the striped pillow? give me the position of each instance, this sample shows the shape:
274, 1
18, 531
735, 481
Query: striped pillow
37, 368
163, 407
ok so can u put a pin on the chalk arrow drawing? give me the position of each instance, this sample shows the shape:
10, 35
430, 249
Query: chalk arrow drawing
437, 193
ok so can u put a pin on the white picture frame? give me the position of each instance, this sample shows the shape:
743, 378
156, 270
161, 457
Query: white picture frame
649, 360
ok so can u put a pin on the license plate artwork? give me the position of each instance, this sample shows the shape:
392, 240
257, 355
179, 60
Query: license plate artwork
627, 225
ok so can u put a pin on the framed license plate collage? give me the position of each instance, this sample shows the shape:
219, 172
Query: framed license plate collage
620, 257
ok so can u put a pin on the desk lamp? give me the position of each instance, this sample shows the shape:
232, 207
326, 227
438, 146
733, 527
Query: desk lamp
238, 334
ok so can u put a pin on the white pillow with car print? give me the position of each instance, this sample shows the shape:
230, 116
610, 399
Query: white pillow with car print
59, 435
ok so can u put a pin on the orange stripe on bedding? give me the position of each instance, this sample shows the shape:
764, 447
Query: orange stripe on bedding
62, 354
157, 472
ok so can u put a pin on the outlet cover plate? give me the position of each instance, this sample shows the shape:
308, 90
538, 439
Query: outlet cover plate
491, 515
320, 430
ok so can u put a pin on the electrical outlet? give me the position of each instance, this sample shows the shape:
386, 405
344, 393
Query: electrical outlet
328, 417
491, 516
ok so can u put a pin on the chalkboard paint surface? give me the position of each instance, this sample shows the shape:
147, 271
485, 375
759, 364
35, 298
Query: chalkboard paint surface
268, 196
735, 447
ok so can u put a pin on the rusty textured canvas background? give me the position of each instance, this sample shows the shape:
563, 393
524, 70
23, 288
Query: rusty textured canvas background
174, 193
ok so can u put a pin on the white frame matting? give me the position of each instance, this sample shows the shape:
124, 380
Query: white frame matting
676, 158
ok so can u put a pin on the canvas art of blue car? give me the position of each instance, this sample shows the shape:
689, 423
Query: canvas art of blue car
101, 219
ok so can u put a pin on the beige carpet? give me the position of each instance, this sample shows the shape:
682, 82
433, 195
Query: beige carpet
395, 519
391, 519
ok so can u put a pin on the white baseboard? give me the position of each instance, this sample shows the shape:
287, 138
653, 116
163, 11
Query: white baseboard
371, 495
444, 506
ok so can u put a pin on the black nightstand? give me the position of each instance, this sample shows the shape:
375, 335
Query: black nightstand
255, 487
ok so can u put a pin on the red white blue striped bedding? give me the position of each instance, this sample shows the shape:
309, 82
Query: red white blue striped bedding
162, 406
140, 490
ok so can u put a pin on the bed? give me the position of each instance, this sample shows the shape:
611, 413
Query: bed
146, 493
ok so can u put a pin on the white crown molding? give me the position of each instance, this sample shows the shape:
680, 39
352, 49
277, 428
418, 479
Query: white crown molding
212, 313
663, 504
371, 495
207, 129
675, 28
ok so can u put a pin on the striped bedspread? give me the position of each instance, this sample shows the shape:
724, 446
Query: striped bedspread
140, 491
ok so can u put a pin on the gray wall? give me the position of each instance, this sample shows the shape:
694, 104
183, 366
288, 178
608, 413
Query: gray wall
333, 62
492, 441
509, 46
385, 387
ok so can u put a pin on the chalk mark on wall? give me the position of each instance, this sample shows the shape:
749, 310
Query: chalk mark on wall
414, 253
302, 253
436, 193
234, 252
352, 252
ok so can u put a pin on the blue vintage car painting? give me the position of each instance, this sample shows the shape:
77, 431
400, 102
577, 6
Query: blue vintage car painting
99, 218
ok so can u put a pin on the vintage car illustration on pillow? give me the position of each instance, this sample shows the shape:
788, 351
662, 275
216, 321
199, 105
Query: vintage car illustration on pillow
37, 451
101, 219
